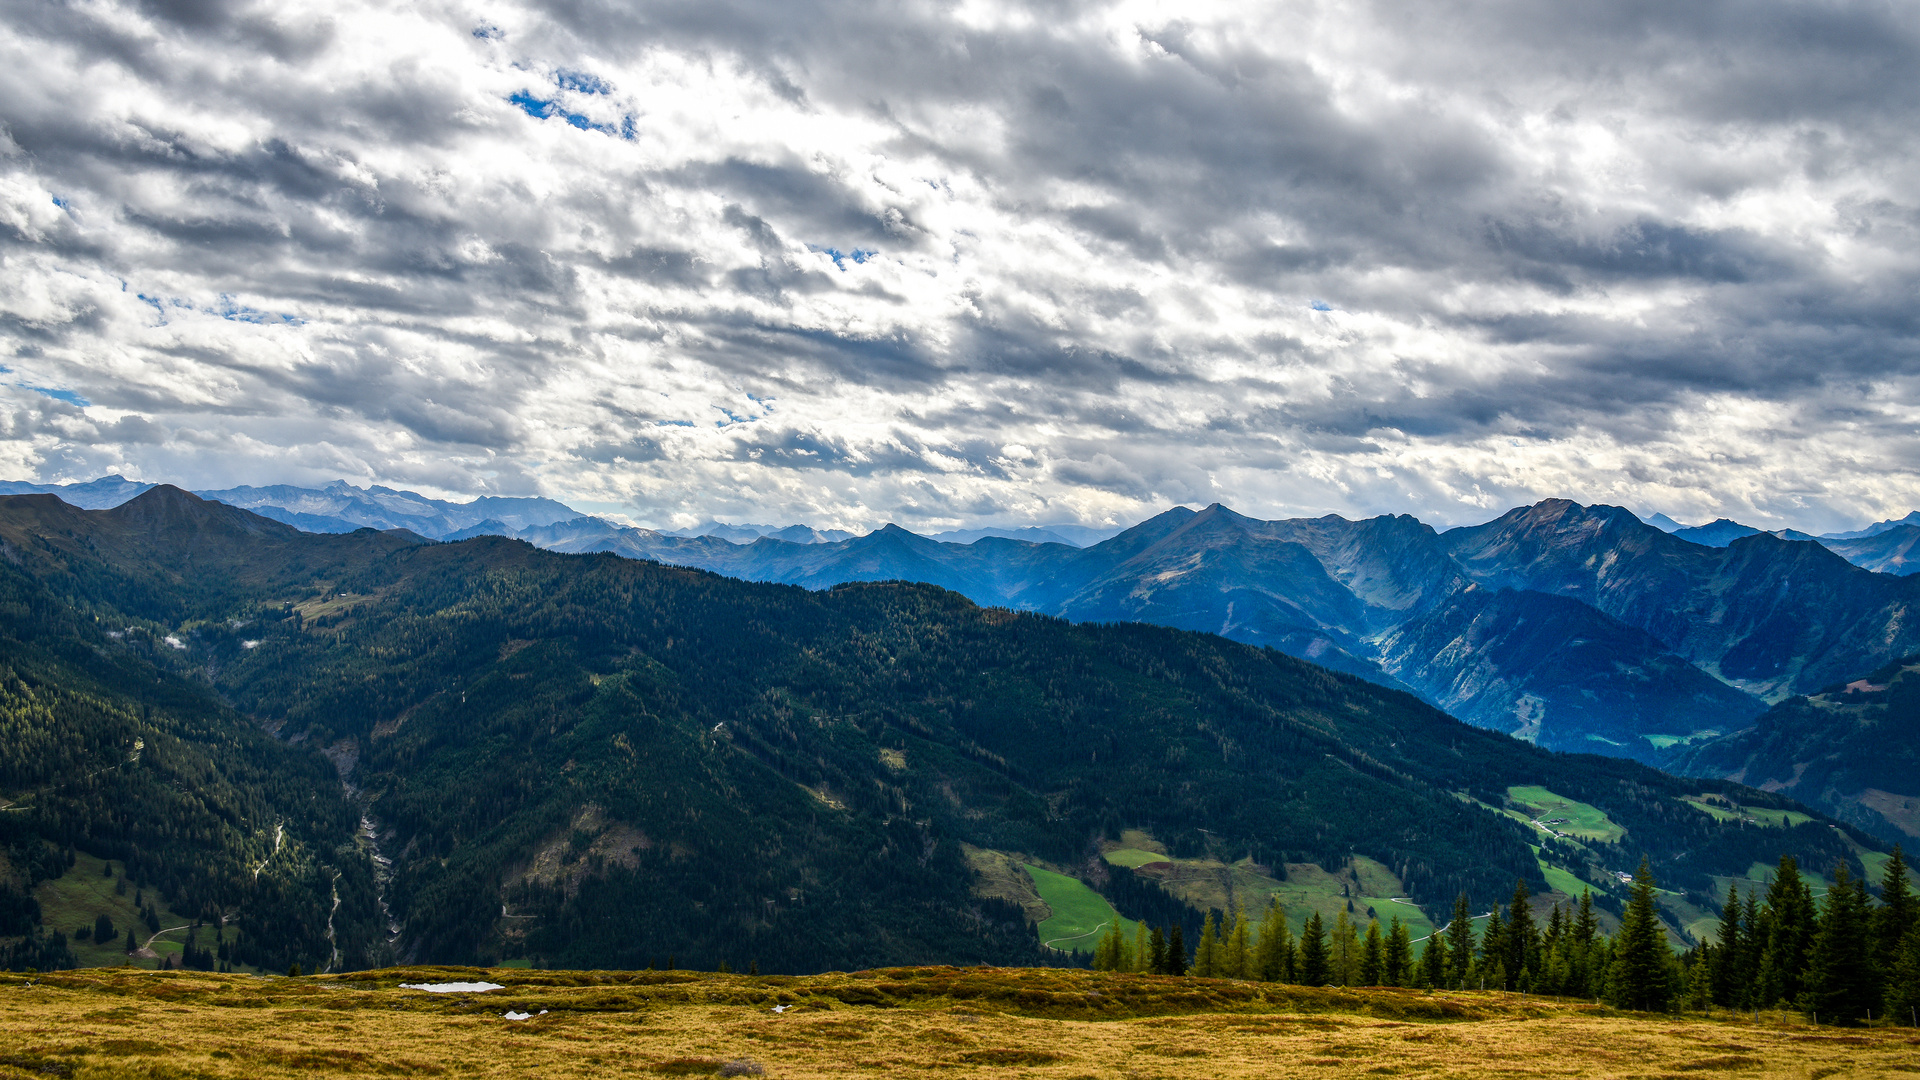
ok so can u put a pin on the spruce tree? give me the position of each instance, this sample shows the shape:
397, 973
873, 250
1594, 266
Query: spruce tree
1791, 925
1399, 968
1754, 929
1699, 966
1491, 974
1839, 987
1903, 985
1142, 949
1725, 968
1433, 963
1895, 918
1176, 952
1641, 976
1523, 940
1314, 968
1460, 944
1157, 952
1373, 955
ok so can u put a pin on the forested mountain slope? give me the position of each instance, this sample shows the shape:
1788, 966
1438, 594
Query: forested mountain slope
1385, 598
1853, 750
590, 760
1670, 640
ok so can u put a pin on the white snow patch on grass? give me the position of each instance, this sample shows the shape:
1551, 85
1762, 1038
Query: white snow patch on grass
453, 987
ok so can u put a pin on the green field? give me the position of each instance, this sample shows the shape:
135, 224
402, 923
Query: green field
1756, 815
71, 901
1080, 915
1876, 865
1132, 857
1583, 821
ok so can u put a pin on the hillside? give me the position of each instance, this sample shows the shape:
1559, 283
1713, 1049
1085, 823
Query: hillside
595, 760
1853, 750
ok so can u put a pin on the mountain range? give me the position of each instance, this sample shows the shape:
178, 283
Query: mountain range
588, 760
1575, 627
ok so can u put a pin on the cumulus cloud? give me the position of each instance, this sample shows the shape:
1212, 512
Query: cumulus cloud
838, 262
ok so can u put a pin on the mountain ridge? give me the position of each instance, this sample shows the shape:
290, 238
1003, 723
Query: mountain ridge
566, 757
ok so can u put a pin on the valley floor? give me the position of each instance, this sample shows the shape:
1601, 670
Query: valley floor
945, 1022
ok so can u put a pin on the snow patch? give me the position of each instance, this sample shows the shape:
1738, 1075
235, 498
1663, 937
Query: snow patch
174, 641
253, 644
453, 987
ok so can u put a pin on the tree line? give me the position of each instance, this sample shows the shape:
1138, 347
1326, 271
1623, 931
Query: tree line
1844, 961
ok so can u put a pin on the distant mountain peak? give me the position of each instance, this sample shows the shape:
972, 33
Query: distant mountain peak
1716, 533
164, 508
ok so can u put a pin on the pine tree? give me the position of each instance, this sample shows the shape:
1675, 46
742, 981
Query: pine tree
1314, 967
1142, 949
1206, 960
1399, 970
1176, 952
133, 944
1839, 987
1373, 955
1460, 944
1641, 977
1157, 952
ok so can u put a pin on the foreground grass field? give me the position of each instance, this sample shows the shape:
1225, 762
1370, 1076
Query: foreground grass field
945, 1022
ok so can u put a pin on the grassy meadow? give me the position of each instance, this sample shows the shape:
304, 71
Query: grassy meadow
72, 900
1080, 915
909, 1022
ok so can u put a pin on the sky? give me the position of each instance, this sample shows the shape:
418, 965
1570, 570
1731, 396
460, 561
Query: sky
955, 264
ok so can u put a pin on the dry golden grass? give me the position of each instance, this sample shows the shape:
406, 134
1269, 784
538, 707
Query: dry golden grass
937, 1022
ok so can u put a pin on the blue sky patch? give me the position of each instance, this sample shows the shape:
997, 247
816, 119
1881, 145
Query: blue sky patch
531, 105
1321, 305
841, 258
233, 312
580, 82
545, 108
673, 423
57, 394
489, 33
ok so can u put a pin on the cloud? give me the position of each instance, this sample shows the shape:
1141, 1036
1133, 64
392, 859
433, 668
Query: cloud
823, 261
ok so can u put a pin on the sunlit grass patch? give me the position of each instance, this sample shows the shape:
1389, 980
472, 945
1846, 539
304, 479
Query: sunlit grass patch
893, 1022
